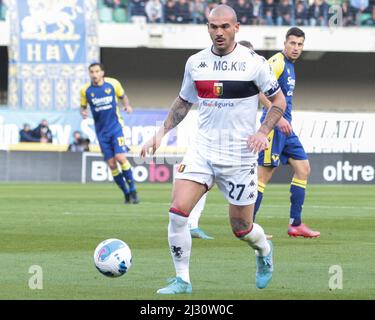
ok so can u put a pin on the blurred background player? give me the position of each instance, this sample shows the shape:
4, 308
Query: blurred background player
193, 222
102, 95
285, 146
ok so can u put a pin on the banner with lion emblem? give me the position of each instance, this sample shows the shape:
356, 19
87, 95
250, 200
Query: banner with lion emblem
52, 42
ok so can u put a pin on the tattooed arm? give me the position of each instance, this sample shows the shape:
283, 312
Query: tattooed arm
177, 113
259, 141
283, 124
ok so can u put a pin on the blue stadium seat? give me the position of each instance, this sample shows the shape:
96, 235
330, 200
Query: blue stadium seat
3, 12
101, 4
364, 17
105, 14
120, 15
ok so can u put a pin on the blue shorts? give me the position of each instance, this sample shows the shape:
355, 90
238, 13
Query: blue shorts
281, 149
112, 143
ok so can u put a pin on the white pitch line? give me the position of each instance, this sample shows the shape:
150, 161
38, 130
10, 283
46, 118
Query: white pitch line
274, 206
323, 207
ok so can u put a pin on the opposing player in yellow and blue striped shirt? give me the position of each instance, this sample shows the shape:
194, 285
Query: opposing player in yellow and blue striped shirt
285, 146
102, 95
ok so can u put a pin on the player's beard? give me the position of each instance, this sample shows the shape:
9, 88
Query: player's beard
96, 81
223, 47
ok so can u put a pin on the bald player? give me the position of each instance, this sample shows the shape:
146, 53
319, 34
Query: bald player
225, 80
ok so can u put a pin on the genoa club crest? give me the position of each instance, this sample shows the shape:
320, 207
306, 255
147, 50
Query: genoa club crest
218, 89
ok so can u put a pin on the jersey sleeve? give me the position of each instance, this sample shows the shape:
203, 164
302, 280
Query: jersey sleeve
266, 79
277, 64
188, 90
119, 90
83, 96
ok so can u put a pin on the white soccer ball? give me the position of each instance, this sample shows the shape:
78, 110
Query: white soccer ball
113, 257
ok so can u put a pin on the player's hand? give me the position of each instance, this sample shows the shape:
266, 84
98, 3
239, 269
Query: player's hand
285, 127
85, 113
257, 142
128, 109
150, 146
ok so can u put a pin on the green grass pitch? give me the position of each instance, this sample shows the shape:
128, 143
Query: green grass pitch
57, 227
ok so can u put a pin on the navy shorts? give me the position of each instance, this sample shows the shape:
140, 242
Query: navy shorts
281, 149
112, 143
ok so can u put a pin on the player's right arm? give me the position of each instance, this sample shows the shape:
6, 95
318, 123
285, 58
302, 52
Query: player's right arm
180, 108
177, 113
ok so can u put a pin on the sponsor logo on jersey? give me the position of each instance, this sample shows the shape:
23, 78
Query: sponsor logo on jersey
291, 81
218, 89
181, 168
102, 101
217, 104
291, 84
229, 66
274, 87
203, 65
103, 108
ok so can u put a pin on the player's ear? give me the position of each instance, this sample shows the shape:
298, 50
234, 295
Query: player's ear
237, 27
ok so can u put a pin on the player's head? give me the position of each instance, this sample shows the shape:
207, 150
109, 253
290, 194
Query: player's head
222, 27
293, 45
246, 44
96, 72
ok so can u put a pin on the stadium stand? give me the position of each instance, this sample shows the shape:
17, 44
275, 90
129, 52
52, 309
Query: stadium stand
250, 12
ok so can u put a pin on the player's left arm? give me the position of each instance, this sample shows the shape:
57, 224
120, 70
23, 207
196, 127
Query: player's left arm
122, 97
283, 124
126, 104
259, 141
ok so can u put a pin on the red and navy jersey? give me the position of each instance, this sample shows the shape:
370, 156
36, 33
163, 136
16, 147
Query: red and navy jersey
103, 104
